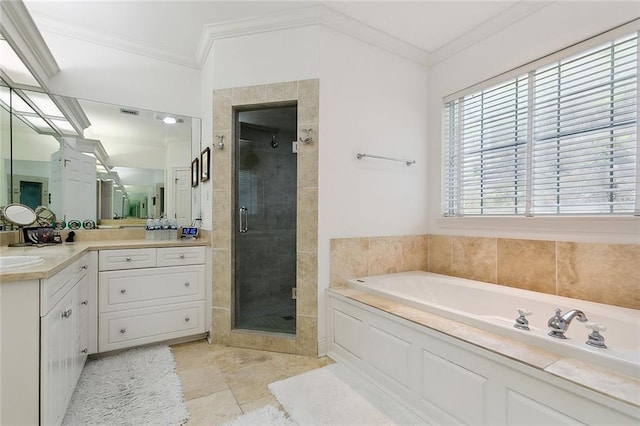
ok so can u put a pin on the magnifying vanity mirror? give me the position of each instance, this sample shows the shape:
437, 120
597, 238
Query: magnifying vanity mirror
19, 215
110, 164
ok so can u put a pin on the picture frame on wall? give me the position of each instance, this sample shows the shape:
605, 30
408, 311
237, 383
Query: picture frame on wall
205, 157
194, 172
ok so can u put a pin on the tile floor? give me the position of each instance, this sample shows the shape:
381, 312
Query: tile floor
221, 382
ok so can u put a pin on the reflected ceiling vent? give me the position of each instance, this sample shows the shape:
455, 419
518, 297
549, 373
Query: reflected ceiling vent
126, 111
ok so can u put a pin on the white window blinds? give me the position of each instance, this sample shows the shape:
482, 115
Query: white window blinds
561, 139
487, 158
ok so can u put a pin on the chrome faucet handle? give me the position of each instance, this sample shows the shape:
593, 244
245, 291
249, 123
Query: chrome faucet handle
557, 325
596, 339
596, 327
523, 312
521, 322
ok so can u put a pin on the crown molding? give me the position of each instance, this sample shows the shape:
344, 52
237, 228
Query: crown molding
488, 28
306, 16
295, 18
51, 25
24, 37
72, 110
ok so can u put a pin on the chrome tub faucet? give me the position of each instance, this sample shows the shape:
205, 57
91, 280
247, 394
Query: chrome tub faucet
559, 323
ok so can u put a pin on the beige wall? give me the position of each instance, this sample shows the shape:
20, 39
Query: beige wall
604, 273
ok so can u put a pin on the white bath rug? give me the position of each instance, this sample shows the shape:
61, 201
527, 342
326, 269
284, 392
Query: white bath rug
337, 395
135, 387
264, 416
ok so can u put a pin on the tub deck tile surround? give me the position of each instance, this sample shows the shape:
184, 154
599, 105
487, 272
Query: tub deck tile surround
597, 272
605, 273
439, 257
527, 264
423, 318
474, 258
600, 380
517, 351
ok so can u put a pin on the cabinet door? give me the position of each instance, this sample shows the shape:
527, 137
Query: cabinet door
57, 361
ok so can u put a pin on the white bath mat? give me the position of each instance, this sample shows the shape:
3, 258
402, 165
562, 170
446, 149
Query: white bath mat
135, 387
268, 415
337, 395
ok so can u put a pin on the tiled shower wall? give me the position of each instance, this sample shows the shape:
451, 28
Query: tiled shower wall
604, 273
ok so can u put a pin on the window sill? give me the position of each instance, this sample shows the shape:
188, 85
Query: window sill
619, 229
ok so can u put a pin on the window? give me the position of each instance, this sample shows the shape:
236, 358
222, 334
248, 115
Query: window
558, 139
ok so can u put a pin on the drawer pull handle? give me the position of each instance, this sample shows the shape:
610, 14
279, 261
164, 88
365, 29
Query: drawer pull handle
84, 351
85, 267
123, 330
128, 258
186, 284
67, 313
85, 302
123, 291
187, 319
182, 256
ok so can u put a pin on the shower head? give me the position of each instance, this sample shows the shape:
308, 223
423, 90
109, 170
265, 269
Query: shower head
274, 142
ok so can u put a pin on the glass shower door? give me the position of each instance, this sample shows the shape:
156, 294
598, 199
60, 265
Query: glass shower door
265, 231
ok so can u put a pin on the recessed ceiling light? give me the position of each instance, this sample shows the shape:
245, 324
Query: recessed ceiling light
168, 119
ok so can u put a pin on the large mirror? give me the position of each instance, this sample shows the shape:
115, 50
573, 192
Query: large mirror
113, 165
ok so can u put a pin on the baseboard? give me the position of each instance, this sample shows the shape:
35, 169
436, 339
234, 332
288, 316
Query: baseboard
323, 347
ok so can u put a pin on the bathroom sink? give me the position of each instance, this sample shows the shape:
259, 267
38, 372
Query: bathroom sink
8, 262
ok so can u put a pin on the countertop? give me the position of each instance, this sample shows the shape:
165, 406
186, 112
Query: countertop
57, 257
603, 381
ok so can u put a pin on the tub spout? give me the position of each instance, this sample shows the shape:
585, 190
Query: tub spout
559, 323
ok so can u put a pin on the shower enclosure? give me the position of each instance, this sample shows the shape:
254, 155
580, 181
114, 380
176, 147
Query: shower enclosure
265, 219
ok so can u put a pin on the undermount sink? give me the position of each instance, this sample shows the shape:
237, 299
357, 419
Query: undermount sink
7, 262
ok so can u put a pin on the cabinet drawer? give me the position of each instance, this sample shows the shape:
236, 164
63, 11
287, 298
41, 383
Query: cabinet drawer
110, 260
142, 288
54, 289
176, 256
140, 326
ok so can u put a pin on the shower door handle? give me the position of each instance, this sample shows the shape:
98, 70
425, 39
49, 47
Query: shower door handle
243, 219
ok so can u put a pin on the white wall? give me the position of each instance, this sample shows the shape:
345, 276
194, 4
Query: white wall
371, 102
249, 60
264, 58
554, 27
206, 107
100, 73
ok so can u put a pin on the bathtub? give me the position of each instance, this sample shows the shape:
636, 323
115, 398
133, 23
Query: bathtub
494, 308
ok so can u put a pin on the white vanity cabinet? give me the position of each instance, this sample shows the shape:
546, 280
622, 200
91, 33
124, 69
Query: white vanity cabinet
150, 295
64, 335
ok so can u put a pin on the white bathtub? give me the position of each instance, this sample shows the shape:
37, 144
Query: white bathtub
494, 308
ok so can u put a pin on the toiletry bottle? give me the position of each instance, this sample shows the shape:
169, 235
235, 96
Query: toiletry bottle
157, 229
165, 229
148, 229
173, 229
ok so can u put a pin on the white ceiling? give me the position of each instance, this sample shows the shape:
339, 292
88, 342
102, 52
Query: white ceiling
176, 29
